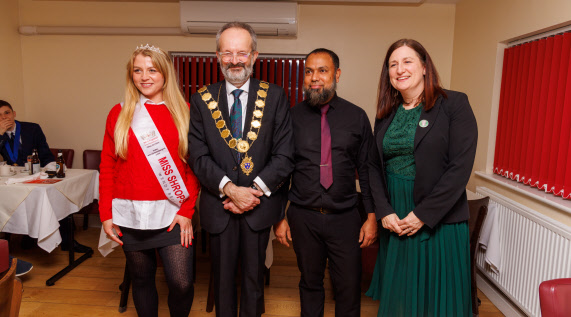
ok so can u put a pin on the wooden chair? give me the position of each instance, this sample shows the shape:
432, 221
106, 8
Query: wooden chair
478, 212
67, 156
91, 161
10, 292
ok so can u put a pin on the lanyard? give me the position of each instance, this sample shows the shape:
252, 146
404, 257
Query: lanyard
14, 154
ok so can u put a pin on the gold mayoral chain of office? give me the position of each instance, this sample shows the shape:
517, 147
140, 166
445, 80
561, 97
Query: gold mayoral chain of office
239, 145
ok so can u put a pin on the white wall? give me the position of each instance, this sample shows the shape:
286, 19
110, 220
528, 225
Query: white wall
71, 82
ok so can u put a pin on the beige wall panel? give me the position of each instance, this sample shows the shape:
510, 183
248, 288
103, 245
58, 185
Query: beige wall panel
11, 80
71, 82
481, 26
80, 13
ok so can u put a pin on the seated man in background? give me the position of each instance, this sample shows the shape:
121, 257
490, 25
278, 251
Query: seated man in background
17, 141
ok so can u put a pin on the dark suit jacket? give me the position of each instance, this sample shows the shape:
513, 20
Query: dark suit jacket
444, 154
211, 158
32, 138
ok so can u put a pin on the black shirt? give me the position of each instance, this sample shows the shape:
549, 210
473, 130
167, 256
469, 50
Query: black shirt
351, 135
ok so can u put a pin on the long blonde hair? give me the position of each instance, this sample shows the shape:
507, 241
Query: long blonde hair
172, 96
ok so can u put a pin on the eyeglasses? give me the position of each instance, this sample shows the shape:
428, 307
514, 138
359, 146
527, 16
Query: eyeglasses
227, 56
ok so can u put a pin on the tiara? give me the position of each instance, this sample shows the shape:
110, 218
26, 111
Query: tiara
149, 47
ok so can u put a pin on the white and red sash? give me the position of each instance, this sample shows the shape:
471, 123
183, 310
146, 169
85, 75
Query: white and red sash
158, 155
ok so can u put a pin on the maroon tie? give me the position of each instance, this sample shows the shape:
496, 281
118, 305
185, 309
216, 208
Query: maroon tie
325, 167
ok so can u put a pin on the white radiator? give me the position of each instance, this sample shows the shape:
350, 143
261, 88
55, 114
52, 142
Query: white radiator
534, 248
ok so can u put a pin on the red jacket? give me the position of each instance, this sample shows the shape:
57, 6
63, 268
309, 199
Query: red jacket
134, 178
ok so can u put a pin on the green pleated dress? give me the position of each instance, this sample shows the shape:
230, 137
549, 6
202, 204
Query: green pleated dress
428, 273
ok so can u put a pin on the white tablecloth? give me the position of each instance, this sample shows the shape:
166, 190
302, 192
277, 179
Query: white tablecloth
39, 207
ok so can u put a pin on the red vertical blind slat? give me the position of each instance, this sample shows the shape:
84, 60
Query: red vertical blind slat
293, 86
208, 69
524, 173
257, 69
200, 72
186, 78
264, 69
287, 64
215, 72
279, 81
515, 112
272, 71
540, 119
193, 77
521, 112
534, 111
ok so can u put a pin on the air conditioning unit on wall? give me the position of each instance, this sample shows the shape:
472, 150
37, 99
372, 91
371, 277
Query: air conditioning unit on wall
267, 18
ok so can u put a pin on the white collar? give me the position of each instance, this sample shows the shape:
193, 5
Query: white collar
143, 100
230, 88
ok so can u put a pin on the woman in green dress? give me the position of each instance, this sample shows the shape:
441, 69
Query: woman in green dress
420, 163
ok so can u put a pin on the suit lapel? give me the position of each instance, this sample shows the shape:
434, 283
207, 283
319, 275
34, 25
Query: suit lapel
223, 107
252, 93
223, 102
429, 117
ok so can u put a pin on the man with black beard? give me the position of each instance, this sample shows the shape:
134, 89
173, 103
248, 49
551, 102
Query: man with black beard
241, 150
331, 137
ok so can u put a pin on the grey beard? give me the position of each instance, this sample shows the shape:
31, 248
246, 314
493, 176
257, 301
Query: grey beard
315, 98
237, 78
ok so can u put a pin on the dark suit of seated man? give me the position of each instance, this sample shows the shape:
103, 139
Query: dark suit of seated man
29, 136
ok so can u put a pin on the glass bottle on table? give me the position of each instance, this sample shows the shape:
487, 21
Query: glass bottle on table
29, 165
60, 165
35, 162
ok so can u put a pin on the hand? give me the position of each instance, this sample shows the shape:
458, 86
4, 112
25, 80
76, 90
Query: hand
368, 233
390, 223
244, 198
410, 224
281, 229
5, 125
108, 227
186, 233
229, 205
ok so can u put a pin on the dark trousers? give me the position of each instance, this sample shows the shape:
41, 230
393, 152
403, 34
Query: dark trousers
320, 237
239, 243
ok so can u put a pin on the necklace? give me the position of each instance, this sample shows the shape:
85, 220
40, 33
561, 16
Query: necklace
238, 144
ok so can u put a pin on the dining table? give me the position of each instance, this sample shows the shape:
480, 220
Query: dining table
33, 205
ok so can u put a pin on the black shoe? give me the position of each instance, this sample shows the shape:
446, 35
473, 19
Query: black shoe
22, 267
77, 247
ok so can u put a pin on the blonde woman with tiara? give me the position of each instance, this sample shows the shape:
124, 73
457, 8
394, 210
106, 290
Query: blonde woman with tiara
147, 191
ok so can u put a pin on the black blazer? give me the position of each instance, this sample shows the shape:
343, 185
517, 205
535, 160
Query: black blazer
444, 154
32, 138
211, 158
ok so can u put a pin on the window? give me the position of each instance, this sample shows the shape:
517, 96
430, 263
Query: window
534, 119
197, 70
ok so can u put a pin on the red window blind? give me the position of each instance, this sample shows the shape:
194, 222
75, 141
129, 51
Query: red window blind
534, 119
197, 70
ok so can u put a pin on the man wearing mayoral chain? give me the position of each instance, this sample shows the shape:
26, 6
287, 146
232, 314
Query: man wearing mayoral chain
241, 151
